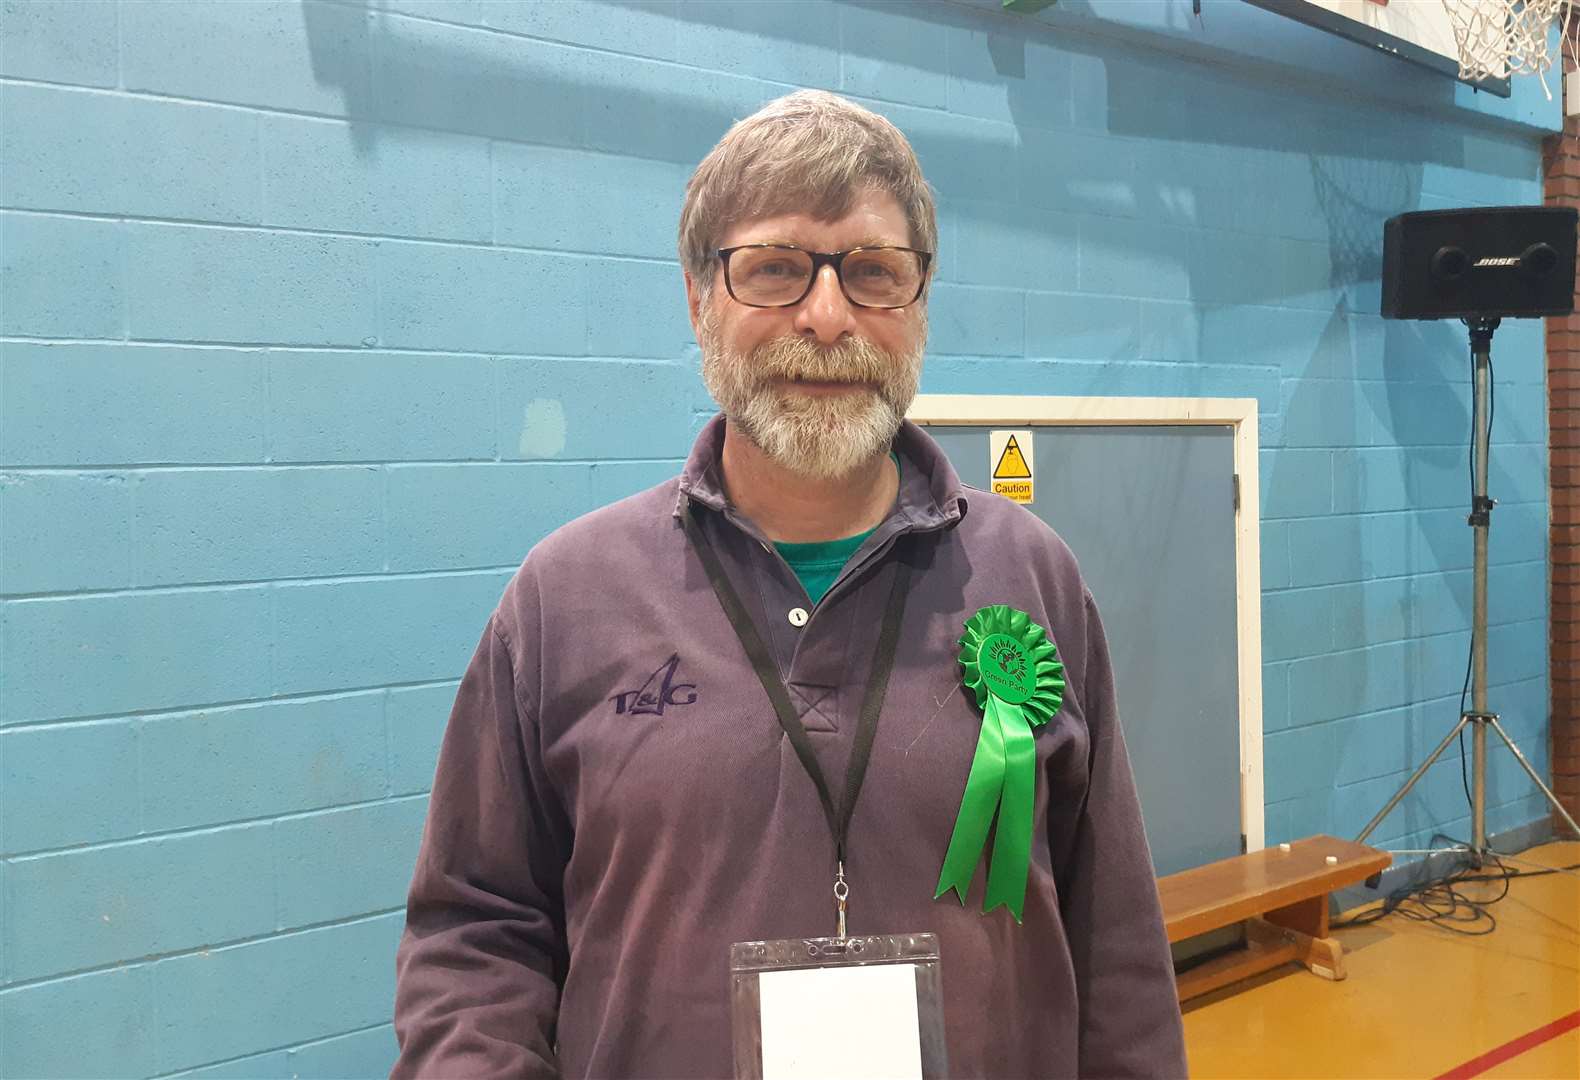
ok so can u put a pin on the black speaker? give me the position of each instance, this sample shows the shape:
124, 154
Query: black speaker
1488, 261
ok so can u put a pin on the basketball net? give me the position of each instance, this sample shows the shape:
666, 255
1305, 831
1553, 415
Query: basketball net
1499, 38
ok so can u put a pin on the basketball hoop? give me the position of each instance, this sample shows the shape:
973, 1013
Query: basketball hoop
1499, 38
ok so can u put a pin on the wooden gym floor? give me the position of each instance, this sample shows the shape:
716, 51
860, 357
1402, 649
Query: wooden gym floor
1420, 1001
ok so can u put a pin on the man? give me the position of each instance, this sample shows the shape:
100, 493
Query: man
617, 798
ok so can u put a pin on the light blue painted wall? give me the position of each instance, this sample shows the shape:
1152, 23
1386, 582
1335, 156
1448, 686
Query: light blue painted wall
316, 316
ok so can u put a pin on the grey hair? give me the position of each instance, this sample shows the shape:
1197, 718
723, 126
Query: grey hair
810, 152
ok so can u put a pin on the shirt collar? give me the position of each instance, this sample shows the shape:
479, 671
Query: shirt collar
930, 496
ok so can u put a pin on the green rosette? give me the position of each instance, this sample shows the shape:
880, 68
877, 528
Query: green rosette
1013, 668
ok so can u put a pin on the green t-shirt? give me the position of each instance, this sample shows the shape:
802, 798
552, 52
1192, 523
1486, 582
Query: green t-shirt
817, 564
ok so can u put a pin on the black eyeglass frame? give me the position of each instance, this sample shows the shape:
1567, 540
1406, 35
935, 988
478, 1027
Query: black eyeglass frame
820, 259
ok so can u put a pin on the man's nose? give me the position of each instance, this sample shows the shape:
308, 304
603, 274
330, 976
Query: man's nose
825, 315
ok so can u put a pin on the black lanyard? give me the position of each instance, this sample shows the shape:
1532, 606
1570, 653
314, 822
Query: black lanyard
768, 674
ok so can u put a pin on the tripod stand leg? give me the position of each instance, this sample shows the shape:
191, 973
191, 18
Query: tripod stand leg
1537, 780
1410, 783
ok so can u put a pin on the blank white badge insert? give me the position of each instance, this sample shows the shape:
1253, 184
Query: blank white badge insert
858, 1023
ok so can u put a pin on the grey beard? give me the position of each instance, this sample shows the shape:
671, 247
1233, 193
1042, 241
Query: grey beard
822, 437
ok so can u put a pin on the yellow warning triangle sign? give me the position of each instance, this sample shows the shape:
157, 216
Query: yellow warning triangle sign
1012, 463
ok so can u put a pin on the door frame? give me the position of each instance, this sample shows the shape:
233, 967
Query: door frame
1239, 414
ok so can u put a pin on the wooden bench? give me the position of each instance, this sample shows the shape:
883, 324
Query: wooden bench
1280, 896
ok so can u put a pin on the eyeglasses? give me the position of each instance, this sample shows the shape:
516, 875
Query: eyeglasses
780, 275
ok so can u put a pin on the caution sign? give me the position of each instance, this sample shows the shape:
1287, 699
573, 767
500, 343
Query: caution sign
1010, 461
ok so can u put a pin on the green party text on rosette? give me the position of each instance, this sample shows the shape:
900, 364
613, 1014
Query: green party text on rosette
1013, 667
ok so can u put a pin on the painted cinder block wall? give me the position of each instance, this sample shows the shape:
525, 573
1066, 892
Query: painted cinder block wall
317, 315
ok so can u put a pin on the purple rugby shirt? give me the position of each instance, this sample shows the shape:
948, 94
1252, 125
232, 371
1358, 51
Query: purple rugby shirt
615, 802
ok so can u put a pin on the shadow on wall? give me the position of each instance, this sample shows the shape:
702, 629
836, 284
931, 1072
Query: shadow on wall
336, 38
432, 73
457, 77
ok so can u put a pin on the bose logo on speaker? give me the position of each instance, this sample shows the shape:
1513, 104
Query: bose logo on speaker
1489, 261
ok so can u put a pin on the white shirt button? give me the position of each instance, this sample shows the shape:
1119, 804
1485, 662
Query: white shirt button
798, 616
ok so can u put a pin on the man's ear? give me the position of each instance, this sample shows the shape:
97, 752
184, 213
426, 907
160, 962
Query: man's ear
694, 304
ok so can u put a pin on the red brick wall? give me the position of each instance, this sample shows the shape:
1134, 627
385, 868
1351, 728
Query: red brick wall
1561, 170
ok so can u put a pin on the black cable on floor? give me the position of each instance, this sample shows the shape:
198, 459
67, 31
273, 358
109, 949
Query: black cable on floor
1438, 900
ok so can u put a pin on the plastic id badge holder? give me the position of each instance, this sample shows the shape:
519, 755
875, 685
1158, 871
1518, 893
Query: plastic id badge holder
859, 1008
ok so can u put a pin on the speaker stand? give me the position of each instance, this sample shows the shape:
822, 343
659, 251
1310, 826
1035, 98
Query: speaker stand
1480, 520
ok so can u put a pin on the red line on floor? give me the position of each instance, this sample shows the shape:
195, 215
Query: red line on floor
1514, 1048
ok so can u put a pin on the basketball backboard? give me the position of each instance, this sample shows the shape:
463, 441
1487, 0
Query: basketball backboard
1418, 31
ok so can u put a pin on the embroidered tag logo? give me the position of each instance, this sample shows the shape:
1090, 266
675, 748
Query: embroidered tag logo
658, 692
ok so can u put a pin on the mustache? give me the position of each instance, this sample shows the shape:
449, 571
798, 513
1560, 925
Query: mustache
792, 358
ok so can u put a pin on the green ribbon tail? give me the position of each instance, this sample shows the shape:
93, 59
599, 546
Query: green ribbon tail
983, 787
1012, 841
